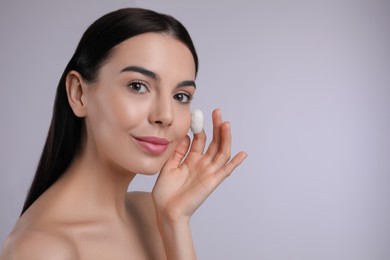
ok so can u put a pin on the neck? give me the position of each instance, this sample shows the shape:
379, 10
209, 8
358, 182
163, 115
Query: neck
94, 187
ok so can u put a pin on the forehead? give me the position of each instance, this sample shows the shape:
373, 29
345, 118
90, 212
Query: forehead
158, 52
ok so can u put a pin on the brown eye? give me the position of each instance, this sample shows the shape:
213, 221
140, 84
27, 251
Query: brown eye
137, 87
183, 98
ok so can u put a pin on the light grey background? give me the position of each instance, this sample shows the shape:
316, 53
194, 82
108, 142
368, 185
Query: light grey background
306, 85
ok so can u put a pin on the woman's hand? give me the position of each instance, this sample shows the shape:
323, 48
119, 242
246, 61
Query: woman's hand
183, 185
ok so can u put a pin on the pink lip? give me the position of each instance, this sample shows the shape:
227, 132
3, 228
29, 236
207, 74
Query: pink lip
153, 145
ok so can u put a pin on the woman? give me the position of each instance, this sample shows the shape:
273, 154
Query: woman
121, 109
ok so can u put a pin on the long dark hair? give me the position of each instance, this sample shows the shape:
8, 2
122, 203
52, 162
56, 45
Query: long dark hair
64, 136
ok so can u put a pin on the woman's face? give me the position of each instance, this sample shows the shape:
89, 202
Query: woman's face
138, 109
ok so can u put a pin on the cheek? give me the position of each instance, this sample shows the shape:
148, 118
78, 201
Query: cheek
109, 123
127, 115
183, 123
115, 112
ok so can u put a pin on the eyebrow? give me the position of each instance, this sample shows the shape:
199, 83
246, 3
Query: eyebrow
155, 76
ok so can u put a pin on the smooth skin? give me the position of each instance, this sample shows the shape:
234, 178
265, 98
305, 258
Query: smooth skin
88, 213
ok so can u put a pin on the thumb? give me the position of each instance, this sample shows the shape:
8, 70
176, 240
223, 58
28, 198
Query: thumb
177, 156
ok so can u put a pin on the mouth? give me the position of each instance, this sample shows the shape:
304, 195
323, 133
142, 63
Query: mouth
152, 145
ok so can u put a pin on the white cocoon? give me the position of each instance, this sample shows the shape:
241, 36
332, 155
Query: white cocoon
197, 121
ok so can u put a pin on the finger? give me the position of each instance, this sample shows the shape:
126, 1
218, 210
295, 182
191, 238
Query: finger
214, 180
226, 170
224, 152
214, 145
177, 156
198, 143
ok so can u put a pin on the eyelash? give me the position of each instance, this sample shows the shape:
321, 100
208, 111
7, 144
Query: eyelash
138, 83
186, 94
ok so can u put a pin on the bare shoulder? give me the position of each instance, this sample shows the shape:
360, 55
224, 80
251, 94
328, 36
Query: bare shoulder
33, 244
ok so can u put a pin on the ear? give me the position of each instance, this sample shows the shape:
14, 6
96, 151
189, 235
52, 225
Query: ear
75, 91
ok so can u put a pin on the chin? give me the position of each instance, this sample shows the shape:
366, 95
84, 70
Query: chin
147, 167
145, 164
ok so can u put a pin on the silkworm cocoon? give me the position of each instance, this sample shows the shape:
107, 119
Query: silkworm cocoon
197, 121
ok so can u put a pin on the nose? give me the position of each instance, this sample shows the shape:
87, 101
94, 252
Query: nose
162, 112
